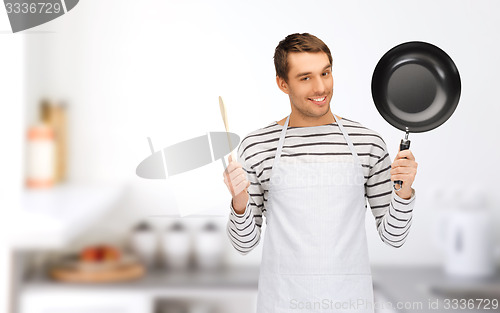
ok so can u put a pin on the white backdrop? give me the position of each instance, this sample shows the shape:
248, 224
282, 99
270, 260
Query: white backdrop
133, 69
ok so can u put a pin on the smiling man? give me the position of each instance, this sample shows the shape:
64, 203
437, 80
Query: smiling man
310, 176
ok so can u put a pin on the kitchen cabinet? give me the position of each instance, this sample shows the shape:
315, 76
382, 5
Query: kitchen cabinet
227, 290
71, 301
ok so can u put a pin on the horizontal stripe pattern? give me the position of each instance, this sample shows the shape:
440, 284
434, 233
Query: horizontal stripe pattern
324, 143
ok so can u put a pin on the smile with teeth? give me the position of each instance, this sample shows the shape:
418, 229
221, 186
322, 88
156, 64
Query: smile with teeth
318, 99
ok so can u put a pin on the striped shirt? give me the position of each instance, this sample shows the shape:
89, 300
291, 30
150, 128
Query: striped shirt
324, 143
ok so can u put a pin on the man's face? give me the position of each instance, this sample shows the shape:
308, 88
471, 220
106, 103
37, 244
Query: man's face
310, 83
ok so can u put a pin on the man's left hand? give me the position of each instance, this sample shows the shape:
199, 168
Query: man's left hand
404, 168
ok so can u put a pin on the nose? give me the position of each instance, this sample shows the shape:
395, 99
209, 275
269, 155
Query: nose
319, 86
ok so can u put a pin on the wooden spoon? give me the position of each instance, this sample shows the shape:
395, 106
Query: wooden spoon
226, 125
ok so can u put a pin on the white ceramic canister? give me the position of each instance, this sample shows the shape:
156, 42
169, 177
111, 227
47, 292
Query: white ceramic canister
177, 246
144, 243
209, 247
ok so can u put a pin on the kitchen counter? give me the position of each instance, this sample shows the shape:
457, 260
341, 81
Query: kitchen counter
233, 289
419, 289
430, 289
158, 281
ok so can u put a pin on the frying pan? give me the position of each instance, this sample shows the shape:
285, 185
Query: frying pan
416, 88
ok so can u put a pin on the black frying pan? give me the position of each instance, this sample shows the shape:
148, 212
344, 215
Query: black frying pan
416, 88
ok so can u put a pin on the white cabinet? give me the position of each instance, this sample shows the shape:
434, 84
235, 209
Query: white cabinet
226, 291
95, 301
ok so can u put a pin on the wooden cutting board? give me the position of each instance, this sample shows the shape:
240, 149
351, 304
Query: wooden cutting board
120, 272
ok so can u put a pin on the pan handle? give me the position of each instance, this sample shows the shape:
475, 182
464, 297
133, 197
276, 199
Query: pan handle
404, 145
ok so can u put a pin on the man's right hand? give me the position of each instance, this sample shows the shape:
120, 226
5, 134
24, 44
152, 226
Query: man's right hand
236, 181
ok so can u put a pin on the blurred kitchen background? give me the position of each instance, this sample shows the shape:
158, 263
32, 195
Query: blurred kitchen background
81, 94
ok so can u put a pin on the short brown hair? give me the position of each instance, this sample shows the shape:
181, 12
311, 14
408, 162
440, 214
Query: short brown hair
304, 42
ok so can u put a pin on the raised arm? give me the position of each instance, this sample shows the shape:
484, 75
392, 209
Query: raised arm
245, 217
393, 214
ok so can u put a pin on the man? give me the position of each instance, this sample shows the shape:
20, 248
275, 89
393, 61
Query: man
310, 175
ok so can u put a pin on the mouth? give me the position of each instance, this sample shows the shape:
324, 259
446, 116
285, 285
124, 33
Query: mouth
318, 100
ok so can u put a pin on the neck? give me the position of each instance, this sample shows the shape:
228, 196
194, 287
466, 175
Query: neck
299, 120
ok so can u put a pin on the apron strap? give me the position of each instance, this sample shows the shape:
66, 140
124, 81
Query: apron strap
348, 140
344, 133
282, 140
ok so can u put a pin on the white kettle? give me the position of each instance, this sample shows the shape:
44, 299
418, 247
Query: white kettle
466, 237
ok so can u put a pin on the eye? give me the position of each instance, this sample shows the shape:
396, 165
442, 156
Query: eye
305, 78
326, 73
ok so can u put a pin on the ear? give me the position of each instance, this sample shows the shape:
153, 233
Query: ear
282, 85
